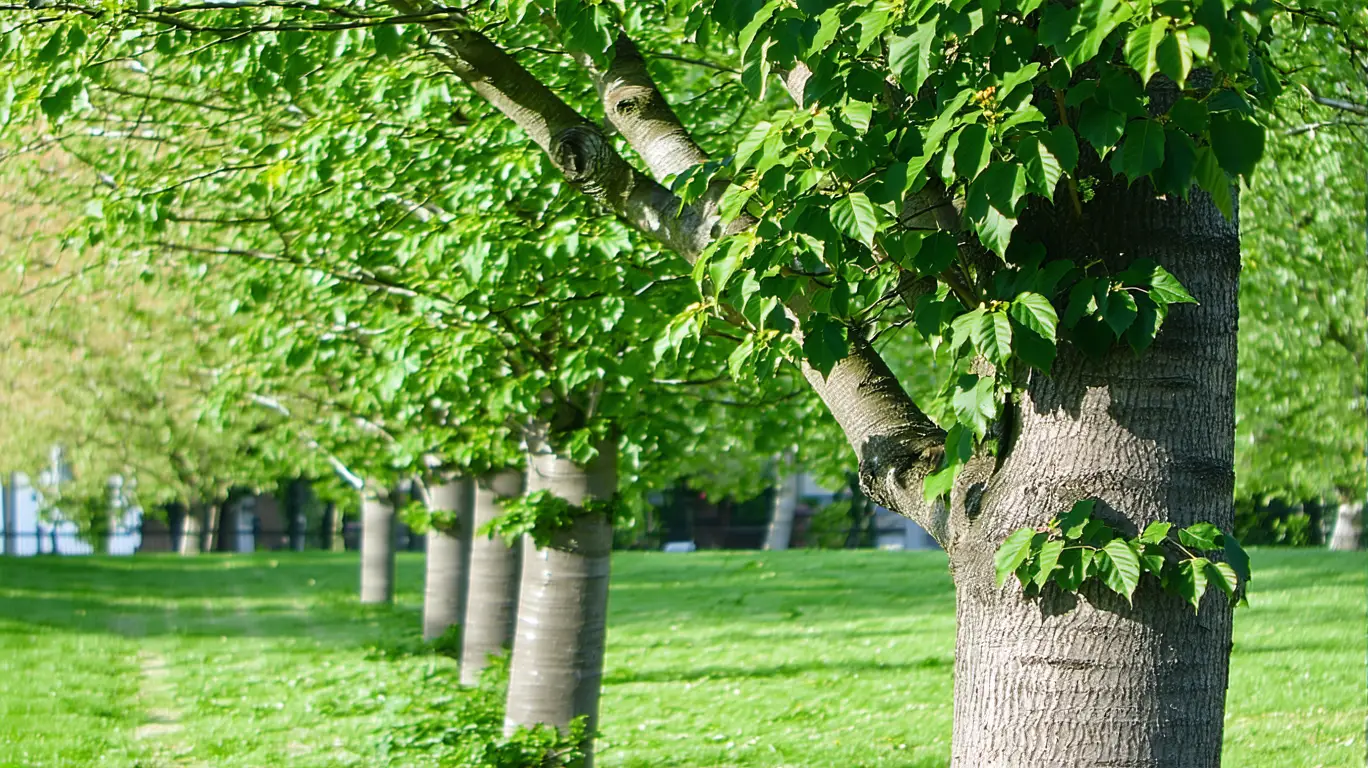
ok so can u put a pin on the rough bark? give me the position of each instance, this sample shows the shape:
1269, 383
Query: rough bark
492, 601
780, 532
1061, 681
1087, 680
896, 444
448, 557
557, 660
377, 545
577, 147
1348, 533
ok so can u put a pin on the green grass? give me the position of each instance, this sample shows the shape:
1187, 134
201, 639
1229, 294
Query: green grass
824, 660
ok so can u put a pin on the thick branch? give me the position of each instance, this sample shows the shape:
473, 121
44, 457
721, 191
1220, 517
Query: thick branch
638, 110
1341, 104
896, 444
576, 146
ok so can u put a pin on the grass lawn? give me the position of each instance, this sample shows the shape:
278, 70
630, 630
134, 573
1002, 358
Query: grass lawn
812, 659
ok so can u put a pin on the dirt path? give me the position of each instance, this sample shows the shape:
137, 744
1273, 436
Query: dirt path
157, 695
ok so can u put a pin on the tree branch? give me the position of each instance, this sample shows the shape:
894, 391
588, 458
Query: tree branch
576, 146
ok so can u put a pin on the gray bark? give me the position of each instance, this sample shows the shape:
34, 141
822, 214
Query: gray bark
1087, 680
377, 545
557, 660
209, 528
492, 599
780, 532
1348, 533
1064, 680
448, 557
189, 543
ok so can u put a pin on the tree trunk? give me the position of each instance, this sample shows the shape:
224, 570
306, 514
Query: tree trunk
332, 529
1087, 680
1348, 533
209, 529
377, 545
780, 532
557, 661
448, 557
11, 519
1314, 509
297, 495
492, 598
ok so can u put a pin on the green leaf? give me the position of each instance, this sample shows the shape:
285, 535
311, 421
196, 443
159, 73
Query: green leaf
746, 36
1237, 557
387, 41
1119, 566
858, 114
60, 101
727, 260
1191, 115
1149, 316
750, 144
872, 23
1152, 558
992, 337
1155, 532
1047, 560
856, 216
1190, 581
1164, 287
1071, 523
1176, 176
734, 201
1063, 145
936, 254
939, 483
1143, 152
1120, 311
1016, 78
1101, 127
1238, 143
910, 56
1073, 568
1012, 553
1175, 57
1142, 48
1200, 536
972, 151
824, 343
995, 230
1223, 576
1213, 179
1036, 313
975, 403
1043, 169
48, 53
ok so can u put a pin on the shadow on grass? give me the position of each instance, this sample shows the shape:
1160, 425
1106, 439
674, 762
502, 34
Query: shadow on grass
775, 671
298, 595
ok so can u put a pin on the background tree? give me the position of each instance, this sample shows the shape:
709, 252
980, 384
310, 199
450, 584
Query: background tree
1003, 177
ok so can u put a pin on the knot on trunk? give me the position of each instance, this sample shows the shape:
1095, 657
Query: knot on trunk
581, 152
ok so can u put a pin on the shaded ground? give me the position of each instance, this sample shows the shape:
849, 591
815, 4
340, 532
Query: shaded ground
820, 660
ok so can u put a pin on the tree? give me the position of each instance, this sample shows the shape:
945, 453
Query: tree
1301, 401
1015, 180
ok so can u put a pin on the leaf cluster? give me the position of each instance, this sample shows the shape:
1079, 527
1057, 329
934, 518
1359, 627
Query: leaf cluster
1077, 547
